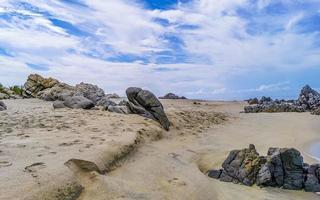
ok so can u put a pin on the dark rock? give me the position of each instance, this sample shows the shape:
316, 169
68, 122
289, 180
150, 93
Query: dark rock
292, 163
309, 98
215, 173
78, 102
242, 166
2, 106
172, 96
265, 100
145, 103
312, 183
123, 103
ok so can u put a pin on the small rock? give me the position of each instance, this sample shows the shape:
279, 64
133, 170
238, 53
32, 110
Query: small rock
2, 106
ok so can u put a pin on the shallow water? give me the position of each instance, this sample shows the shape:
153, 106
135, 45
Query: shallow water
314, 150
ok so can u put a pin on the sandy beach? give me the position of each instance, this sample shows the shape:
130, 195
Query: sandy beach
131, 157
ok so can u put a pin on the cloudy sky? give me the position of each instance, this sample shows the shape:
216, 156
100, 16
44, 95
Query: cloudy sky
212, 49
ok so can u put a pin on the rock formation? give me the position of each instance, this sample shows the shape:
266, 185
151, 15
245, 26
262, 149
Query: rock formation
309, 100
146, 104
2, 106
282, 167
172, 96
36, 83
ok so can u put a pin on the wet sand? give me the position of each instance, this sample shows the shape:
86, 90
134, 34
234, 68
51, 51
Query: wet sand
135, 157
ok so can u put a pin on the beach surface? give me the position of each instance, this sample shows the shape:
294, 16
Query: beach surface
93, 154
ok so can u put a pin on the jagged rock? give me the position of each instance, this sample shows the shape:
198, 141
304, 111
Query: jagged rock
282, 167
145, 103
78, 102
123, 103
59, 91
112, 96
172, 96
36, 83
2, 106
265, 100
273, 107
312, 183
119, 109
271, 173
309, 98
241, 166
92, 92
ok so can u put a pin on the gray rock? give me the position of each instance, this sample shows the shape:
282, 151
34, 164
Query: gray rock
145, 103
105, 102
312, 183
215, 173
253, 101
78, 102
2, 106
91, 92
59, 91
4, 96
119, 109
58, 104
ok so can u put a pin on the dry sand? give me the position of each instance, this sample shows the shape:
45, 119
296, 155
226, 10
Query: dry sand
135, 157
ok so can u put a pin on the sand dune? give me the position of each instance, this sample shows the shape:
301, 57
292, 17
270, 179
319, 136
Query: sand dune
78, 154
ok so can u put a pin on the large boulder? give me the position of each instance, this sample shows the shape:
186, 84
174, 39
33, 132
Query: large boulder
78, 102
4, 96
282, 167
145, 103
241, 166
59, 91
105, 102
2, 106
36, 83
172, 96
118, 109
92, 92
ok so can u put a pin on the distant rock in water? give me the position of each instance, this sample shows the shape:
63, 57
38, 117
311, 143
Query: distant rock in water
309, 100
145, 103
172, 96
282, 167
2, 106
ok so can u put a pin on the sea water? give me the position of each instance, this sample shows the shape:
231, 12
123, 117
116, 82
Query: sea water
314, 150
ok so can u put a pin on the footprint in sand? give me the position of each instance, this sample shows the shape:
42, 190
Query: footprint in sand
34, 167
177, 182
5, 164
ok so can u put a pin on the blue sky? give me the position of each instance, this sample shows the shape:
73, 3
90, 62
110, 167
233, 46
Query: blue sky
212, 49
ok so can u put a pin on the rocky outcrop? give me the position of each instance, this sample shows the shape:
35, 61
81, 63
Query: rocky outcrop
172, 96
7, 93
2, 106
309, 100
112, 96
59, 91
119, 109
89, 91
282, 167
146, 104
36, 83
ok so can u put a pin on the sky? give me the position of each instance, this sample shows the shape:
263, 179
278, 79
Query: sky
205, 49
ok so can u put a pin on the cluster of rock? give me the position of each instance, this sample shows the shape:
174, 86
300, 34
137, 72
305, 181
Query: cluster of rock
309, 100
6, 93
88, 96
172, 96
2, 106
282, 167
